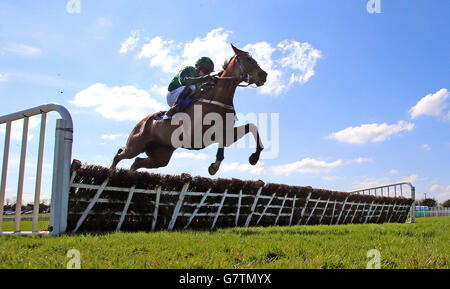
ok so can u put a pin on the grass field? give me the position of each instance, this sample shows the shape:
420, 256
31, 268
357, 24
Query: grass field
8, 226
421, 245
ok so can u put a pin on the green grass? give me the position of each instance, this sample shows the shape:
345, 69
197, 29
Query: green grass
421, 245
8, 226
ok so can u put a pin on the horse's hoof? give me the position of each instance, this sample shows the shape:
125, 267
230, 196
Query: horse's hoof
212, 170
254, 158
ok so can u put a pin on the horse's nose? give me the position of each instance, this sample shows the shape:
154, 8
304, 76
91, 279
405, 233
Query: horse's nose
262, 76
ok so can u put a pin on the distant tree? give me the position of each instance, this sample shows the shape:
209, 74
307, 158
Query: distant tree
446, 204
428, 203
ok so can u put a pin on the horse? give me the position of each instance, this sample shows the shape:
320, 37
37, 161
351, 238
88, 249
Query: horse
154, 137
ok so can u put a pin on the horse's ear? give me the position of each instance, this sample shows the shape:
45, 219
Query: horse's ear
237, 51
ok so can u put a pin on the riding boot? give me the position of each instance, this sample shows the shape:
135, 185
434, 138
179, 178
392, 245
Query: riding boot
176, 108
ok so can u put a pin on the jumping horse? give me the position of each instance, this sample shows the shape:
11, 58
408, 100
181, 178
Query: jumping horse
154, 136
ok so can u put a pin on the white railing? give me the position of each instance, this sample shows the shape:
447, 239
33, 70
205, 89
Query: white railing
433, 212
299, 211
61, 168
395, 190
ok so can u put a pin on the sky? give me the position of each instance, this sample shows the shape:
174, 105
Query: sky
353, 99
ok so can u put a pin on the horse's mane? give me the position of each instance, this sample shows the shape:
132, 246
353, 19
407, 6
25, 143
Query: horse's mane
225, 65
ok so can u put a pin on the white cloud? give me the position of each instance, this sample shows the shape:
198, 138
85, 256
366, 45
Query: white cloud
307, 166
159, 52
442, 192
238, 167
393, 172
370, 132
111, 136
431, 104
426, 147
410, 179
294, 62
370, 183
21, 50
3, 77
118, 102
130, 43
159, 90
187, 155
263, 52
301, 57
360, 160
333, 178
213, 45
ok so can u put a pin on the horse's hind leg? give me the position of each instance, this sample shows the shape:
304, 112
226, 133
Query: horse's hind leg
158, 157
124, 153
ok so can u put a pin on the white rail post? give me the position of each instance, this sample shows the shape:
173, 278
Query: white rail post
37, 194
125, 208
21, 175
324, 211
238, 208
281, 209
413, 206
255, 202
61, 176
178, 206
155, 211
342, 210
293, 209
4, 172
312, 212
303, 210
197, 208
265, 209
219, 209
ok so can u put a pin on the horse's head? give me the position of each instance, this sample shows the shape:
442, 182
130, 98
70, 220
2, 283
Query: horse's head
249, 68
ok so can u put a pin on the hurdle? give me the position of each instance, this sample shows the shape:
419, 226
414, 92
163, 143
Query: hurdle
61, 168
87, 198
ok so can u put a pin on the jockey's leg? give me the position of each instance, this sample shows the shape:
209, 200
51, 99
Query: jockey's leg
183, 93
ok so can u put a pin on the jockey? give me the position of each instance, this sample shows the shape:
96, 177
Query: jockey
186, 81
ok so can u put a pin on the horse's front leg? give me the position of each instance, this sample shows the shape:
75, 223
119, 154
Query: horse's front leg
254, 158
240, 132
214, 167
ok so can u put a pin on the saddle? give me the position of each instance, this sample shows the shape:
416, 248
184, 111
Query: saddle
184, 103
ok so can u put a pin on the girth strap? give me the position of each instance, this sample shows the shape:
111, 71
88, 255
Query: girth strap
218, 103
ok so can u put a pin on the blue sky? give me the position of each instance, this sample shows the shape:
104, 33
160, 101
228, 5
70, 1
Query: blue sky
362, 98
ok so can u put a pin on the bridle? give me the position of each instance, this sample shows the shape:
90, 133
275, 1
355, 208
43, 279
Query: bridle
245, 76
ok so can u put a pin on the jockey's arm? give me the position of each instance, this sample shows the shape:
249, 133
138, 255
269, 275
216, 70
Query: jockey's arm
195, 80
188, 76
